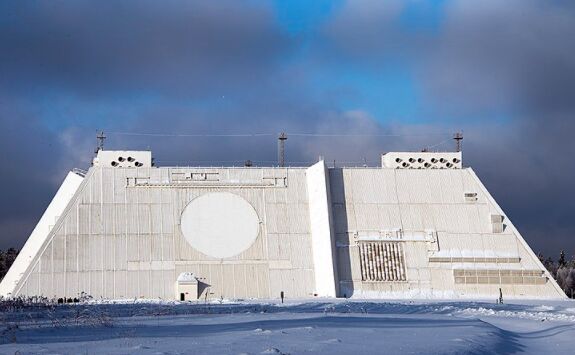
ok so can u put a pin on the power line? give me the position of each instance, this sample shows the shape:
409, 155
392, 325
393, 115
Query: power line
188, 135
366, 135
438, 144
300, 134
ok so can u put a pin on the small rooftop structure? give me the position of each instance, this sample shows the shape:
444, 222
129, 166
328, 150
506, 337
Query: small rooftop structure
123, 158
422, 160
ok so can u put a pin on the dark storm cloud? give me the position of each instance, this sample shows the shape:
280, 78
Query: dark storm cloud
512, 55
226, 67
28, 158
182, 47
482, 57
108, 56
515, 58
492, 59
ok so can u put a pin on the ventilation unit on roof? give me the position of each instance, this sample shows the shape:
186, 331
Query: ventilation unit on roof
123, 159
421, 160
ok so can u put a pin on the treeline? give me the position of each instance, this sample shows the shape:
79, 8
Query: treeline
563, 271
7, 257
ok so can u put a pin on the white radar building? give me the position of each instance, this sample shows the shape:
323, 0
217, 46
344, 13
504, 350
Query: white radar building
419, 226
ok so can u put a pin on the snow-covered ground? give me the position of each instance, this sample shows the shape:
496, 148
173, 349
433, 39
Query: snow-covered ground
296, 327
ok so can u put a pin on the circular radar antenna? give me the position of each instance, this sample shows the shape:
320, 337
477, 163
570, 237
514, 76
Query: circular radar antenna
220, 224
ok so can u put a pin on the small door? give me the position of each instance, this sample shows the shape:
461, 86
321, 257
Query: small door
182, 297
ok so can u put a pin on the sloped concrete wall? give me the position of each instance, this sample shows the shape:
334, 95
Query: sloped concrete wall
121, 237
440, 233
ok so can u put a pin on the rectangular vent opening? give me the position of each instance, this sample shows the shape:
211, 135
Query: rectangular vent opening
470, 196
381, 261
497, 223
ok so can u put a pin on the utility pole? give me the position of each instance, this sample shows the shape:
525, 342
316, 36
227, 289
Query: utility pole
458, 137
281, 149
100, 137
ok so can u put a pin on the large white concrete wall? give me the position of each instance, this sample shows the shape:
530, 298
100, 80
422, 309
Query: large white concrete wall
448, 244
40, 233
121, 236
321, 230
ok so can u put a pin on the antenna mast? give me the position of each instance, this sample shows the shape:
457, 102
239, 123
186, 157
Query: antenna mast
100, 137
281, 149
458, 137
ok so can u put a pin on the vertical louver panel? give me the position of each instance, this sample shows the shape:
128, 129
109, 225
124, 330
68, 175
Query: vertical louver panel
381, 261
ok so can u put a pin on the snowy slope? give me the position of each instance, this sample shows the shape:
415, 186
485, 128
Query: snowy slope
258, 327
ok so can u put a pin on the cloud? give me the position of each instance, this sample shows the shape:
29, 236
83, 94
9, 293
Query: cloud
190, 48
502, 71
513, 55
28, 160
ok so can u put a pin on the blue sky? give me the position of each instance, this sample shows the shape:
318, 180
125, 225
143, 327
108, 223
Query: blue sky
500, 71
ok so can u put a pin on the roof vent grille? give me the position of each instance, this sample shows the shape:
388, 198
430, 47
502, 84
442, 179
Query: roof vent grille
422, 160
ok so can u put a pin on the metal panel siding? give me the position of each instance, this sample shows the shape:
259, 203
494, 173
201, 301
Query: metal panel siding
402, 186
280, 214
107, 186
120, 252
301, 252
95, 187
412, 217
385, 185
108, 220
298, 218
144, 219
256, 251
453, 192
156, 218
110, 224
58, 254
71, 221
263, 281
71, 253
275, 247
133, 248
240, 280
228, 284
32, 285
84, 218
216, 279
144, 279
96, 282
157, 284
46, 285
96, 225
156, 247
109, 254
94, 253
145, 247
360, 186
367, 216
